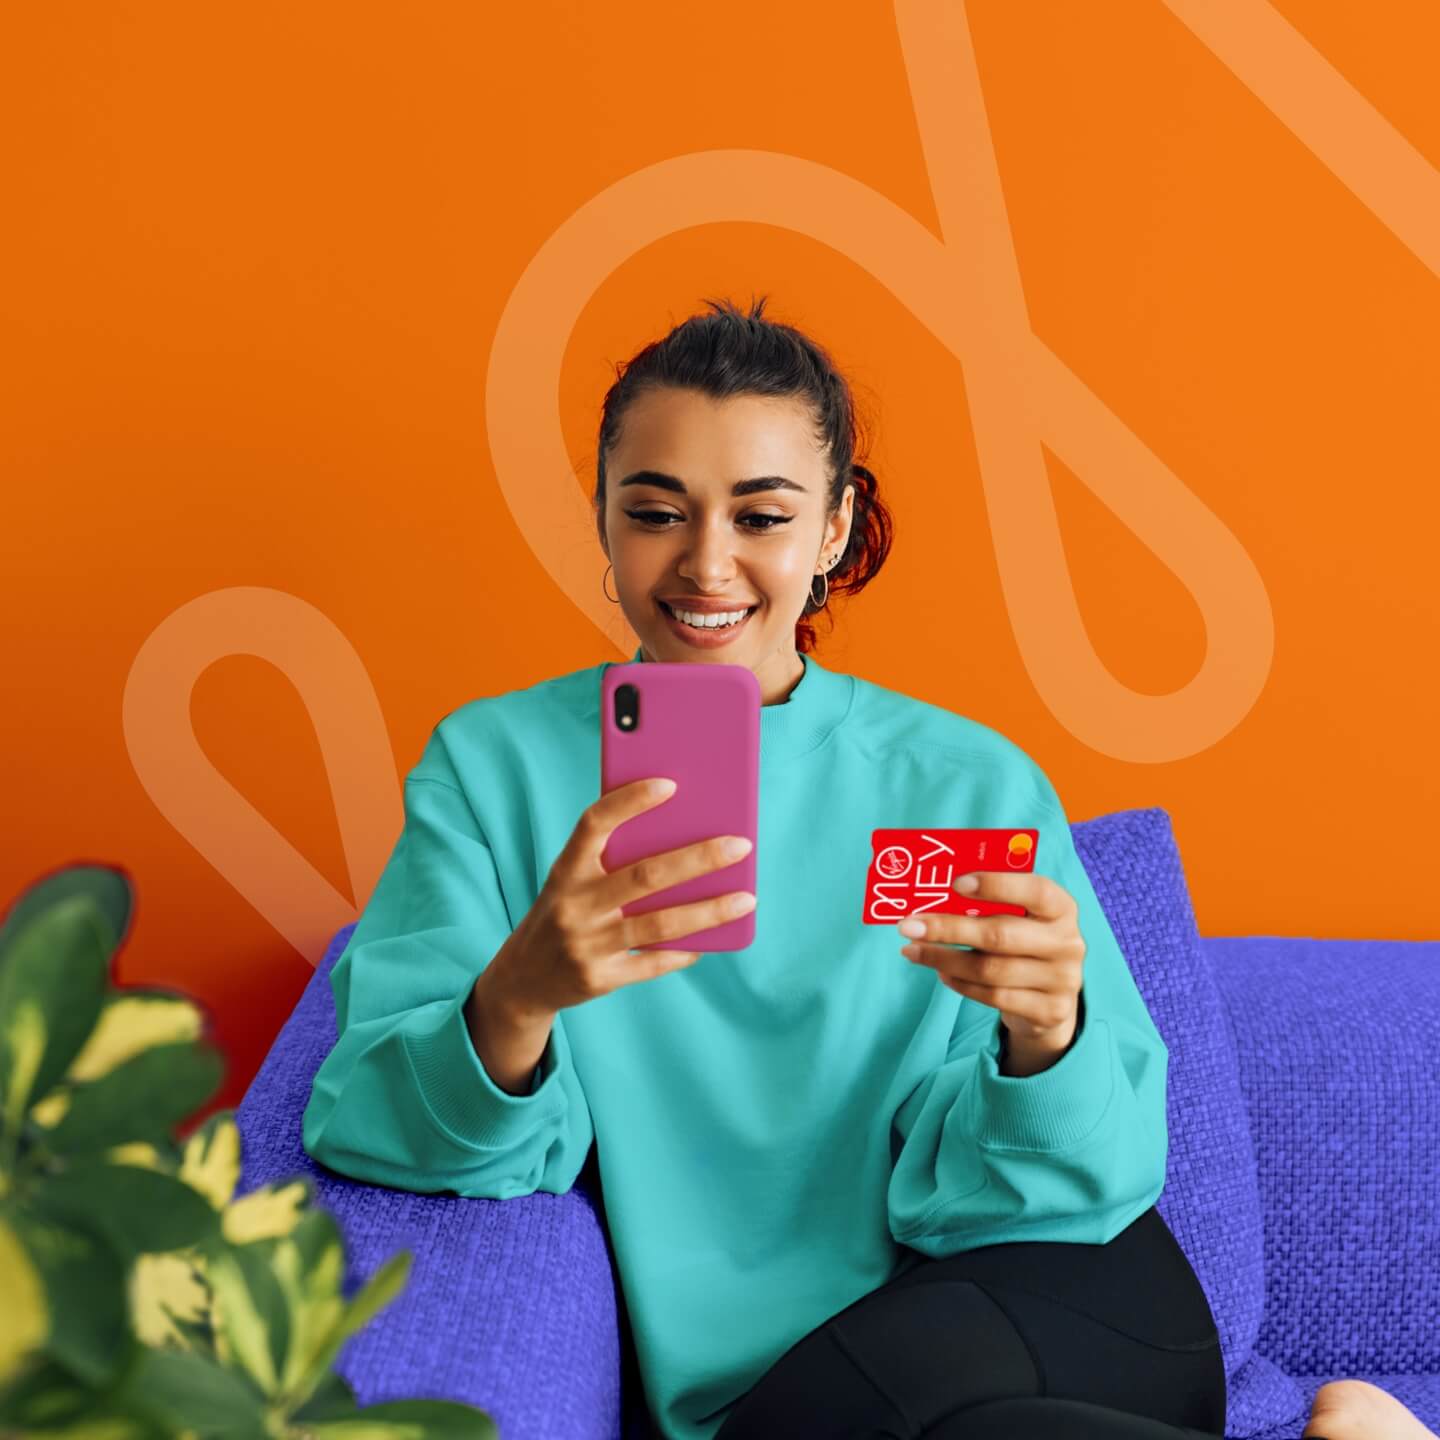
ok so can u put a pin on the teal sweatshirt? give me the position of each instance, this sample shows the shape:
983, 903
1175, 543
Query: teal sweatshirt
780, 1129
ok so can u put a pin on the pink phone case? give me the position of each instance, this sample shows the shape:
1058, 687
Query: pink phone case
698, 725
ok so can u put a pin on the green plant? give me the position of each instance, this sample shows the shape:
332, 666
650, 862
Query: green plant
141, 1298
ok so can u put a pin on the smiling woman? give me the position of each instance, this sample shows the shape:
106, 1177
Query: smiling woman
734, 442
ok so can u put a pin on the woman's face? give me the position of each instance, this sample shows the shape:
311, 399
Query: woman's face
696, 540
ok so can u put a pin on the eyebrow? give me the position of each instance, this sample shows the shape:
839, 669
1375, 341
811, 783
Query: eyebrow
662, 481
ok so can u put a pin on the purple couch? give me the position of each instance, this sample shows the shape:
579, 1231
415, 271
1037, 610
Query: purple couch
1303, 1183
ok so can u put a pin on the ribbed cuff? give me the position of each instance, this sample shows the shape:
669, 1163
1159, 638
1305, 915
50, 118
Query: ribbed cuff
1053, 1108
459, 1093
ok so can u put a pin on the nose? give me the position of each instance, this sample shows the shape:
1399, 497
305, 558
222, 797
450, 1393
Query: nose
709, 564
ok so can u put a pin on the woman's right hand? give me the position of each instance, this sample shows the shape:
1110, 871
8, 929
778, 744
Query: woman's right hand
574, 944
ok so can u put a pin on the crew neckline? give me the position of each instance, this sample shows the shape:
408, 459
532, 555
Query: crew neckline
805, 719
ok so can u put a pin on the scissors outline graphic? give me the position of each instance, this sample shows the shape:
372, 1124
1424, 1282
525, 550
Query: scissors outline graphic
965, 286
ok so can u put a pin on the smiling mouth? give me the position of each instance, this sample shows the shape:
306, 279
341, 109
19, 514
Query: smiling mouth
666, 608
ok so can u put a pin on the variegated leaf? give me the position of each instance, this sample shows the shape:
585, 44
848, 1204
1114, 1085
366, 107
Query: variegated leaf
211, 1159
54, 970
265, 1213
132, 1021
164, 1288
25, 1313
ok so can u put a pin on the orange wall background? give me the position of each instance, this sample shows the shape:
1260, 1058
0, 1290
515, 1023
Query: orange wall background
308, 314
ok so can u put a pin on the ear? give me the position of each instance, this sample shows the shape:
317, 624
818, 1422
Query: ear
843, 518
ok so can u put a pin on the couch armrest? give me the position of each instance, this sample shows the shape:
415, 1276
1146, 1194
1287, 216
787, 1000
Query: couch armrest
510, 1305
1337, 1043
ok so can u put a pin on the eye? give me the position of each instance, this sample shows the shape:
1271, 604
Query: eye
658, 519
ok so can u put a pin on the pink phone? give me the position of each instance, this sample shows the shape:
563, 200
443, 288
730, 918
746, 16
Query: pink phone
698, 725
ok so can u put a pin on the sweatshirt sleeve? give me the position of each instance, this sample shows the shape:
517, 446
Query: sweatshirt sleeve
403, 1099
1073, 1153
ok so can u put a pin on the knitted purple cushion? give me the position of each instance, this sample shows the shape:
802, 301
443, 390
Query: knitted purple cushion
1336, 1042
1211, 1199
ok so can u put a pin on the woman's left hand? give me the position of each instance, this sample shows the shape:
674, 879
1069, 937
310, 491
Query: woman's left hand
1029, 967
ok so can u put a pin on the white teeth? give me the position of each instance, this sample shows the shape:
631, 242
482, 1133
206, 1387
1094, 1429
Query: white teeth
709, 622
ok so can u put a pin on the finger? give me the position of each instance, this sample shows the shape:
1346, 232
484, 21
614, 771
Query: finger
988, 970
1041, 1008
999, 934
650, 963
607, 814
1027, 1005
1039, 894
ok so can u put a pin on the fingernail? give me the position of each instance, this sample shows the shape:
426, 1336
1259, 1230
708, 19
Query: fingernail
968, 884
913, 928
736, 846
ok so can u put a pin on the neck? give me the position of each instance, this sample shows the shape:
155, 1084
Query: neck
778, 673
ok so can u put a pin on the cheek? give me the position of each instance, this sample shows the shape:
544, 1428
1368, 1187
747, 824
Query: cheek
790, 559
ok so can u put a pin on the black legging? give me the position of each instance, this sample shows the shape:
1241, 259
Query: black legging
1023, 1341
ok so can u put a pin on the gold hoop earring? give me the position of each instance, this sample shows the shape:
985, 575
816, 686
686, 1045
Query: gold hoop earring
820, 603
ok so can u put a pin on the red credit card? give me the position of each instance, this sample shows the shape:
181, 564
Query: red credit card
913, 871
